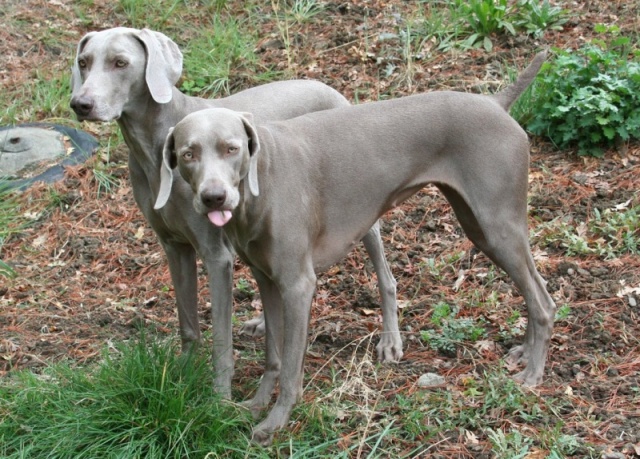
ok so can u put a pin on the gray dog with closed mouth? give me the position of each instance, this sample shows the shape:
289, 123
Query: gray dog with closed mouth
294, 196
129, 75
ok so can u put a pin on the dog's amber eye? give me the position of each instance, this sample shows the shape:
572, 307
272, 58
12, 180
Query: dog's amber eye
82, 63
232, 150
121, 63
187, 155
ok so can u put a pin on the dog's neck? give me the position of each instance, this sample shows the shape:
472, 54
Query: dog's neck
140, 128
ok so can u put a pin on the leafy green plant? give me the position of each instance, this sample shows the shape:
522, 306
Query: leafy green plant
484, 402
619, 230
441, 312
244, 286
480, 411
479, 21
563, 312
608, 233
512, 445
588, 98
486, 17
452, 331
535, 17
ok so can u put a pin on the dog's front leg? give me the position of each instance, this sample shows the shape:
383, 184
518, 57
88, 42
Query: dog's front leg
182, 267
273, 316
219, 263
297, 295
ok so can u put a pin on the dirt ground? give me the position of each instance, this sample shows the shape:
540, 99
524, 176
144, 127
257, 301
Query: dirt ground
90, 270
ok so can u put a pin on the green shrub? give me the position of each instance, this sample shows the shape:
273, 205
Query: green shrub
588, 98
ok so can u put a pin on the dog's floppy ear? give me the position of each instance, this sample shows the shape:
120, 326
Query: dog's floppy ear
169, 162
254, 147
164, 64
76, 78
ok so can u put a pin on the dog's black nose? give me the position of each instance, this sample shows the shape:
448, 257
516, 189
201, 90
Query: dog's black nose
214, 196
82, 105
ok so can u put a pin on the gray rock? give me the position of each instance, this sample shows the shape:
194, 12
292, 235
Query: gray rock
431, 380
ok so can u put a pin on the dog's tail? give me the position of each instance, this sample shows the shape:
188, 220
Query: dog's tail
510, 94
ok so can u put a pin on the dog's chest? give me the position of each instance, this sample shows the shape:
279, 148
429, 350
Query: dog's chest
249, 243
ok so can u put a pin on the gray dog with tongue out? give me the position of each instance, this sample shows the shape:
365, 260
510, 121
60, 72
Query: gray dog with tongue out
294, 196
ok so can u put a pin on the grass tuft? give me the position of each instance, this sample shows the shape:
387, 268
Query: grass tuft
220, 51
10, 222
142, 401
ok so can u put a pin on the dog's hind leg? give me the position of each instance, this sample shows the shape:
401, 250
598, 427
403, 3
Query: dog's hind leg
500, 230
389, 347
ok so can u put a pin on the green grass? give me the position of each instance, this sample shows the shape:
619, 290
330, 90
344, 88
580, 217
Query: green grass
219, 53
10, 222
43, 98
144, 400
141, 401
489, 407
152, 14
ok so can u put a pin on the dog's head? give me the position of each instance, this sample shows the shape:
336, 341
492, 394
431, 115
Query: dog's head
214, 150
116, 66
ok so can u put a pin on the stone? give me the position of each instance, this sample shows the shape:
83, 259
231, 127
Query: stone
431, 380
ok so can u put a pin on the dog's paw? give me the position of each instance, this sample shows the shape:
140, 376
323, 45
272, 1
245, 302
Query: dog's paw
517, 355
222, 387
254, 327
389, 348
529, 378
263, 433
532, 374
254, 408
261, 437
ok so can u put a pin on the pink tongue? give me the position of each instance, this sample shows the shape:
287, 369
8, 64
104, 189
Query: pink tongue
219, 217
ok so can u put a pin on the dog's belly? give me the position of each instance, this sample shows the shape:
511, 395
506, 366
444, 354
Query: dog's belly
329, 251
